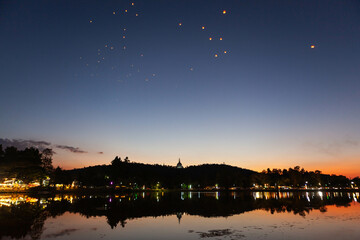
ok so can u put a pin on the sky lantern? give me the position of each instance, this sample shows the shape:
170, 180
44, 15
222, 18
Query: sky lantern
224, 12
210, 38
180, 24
202, 27
221, 39
216, 55
312, 46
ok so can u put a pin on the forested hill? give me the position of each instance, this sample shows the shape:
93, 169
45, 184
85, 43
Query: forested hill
160, 176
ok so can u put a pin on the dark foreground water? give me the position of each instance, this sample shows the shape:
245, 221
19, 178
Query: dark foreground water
187, 215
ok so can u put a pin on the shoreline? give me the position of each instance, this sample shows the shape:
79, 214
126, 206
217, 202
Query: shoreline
127, 191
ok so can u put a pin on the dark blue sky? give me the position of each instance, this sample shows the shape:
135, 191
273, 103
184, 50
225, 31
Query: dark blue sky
260, 97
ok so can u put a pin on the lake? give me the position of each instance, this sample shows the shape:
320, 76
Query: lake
182, 215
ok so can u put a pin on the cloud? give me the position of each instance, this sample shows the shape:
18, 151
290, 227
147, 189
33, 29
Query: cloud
100, 152
70, 149
62, 233
22, 144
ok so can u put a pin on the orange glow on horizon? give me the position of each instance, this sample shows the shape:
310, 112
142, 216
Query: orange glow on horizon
351, 169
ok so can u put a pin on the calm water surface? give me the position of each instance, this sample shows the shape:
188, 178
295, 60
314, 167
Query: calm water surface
187, 215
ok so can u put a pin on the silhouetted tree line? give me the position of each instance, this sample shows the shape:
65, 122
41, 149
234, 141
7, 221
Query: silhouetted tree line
138, 175
297, 177
31, 164
27, 165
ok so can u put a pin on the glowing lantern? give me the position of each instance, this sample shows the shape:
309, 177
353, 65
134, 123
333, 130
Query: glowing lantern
210, 38
224, 11
312, 46
202, 27
221, 39
216, 55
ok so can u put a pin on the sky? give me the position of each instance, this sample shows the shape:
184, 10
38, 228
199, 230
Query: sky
250, 83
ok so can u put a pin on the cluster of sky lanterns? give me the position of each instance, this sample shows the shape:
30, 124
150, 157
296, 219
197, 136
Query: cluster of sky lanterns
215, 55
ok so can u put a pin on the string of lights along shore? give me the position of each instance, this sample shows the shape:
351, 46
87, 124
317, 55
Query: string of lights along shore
254, 84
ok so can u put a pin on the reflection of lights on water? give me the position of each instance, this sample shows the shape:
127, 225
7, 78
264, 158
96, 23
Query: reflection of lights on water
321, 195
307, 196
217, 195
198, 194
182, 195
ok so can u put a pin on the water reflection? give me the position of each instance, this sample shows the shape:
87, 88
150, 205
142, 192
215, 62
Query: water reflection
24, 216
